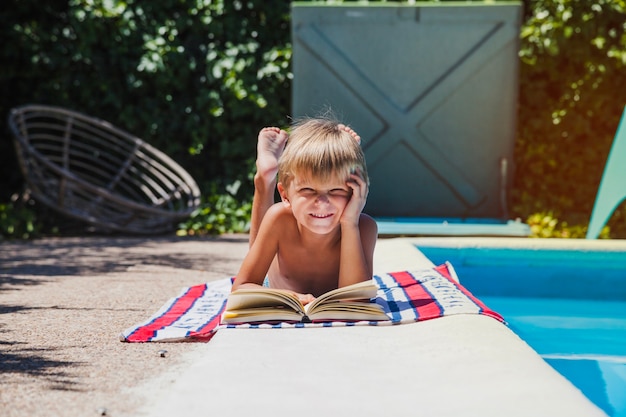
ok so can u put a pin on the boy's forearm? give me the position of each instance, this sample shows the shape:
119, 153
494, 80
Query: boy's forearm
353, 265
246, 285
262, 201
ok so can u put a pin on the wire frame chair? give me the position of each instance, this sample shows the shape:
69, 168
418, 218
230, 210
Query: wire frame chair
90, 170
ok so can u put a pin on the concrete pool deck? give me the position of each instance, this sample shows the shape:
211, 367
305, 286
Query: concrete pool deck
64, 301
458, 365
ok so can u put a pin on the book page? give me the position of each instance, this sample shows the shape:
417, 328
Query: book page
361, 291
247, 298
260, 314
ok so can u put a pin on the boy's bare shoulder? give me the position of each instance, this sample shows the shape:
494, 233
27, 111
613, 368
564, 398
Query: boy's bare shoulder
277, 209
367, 222
367, 218
278, 213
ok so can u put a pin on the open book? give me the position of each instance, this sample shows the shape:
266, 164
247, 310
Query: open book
351, 303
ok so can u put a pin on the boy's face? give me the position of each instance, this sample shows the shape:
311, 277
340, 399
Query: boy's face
317, 205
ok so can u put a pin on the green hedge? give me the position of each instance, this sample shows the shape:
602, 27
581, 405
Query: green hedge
572, 94
197, 79
194, 78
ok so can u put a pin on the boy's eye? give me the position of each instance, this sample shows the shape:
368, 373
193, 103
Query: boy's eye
307, 191
340, 192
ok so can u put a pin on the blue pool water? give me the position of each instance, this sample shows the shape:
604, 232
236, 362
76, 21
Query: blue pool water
569, 306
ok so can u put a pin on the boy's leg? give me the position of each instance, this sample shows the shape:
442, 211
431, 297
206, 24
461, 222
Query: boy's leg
270, 146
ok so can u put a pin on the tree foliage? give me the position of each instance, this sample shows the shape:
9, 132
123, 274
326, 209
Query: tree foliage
572, 84
194, 78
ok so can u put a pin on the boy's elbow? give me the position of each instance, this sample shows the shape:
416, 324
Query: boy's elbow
244, 284
238, 283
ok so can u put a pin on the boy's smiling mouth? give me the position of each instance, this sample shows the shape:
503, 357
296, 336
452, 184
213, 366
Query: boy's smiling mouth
320, 216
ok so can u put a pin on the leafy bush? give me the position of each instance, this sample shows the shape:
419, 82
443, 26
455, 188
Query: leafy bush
18, 220
573, 61
196, 79
545, 225
218, 214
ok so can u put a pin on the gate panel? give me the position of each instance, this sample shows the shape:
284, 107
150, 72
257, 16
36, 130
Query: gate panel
432, 91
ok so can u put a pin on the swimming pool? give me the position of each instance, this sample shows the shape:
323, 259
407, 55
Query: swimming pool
569, 305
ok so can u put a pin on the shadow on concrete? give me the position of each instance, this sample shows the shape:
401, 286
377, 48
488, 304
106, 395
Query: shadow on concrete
76, 256
27, 264
7, 281
34, 363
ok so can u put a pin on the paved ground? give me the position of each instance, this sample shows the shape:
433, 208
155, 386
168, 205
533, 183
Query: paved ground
63, 303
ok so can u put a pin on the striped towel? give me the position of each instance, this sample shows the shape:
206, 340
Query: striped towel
406, 297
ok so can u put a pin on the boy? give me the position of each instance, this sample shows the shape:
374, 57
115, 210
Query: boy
317, 238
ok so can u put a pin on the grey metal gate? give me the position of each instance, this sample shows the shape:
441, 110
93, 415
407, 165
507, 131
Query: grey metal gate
431, 89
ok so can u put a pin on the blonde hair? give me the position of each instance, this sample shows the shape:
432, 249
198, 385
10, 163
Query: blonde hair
320, 149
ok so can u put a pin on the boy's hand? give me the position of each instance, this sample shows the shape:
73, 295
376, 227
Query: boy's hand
352, 212
304, 298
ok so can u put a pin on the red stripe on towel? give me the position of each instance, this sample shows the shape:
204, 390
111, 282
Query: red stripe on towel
443, 270
419, 298
208, 330
484, 309
178, 309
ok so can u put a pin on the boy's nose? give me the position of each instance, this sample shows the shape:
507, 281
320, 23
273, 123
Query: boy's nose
322, 198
